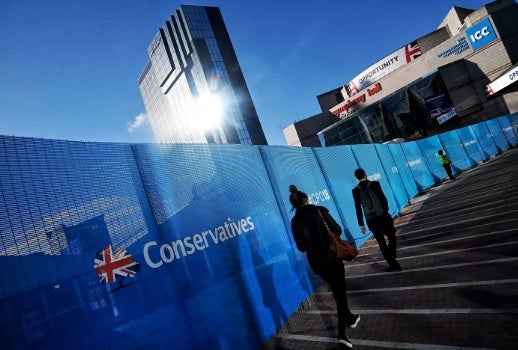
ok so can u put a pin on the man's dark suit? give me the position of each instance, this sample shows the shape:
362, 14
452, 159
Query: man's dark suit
380, 227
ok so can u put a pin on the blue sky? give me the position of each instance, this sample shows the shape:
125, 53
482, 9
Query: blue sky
69, 68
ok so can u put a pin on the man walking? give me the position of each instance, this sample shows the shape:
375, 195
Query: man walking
370, 201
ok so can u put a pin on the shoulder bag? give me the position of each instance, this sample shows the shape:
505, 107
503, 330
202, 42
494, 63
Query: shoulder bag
338, 247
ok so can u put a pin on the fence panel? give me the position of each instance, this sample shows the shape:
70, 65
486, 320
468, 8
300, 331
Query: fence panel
222, 222
471, 144
418, 166
509, 125
338, 165
497, 134
429, 147
395, 177
485, 138
369, 160
191, 245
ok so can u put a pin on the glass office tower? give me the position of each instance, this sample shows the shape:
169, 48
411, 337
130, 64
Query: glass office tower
193, 88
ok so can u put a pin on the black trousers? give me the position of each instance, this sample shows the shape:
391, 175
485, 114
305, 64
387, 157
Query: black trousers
384, 227
447, 167
334, 276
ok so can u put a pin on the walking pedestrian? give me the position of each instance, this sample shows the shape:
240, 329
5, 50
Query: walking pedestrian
312, 238
446, 163
370, 201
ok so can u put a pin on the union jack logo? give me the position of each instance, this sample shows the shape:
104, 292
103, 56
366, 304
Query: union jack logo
352, 89
110, 267
412, 51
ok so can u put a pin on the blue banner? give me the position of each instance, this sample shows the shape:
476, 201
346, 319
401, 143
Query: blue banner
429, 148
509, 126
417, 164
471, 144
338, 165
497, 134
108, 245
403, 169
395, 172
375, 170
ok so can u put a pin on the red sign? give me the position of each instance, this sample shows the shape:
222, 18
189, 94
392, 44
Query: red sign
342, 109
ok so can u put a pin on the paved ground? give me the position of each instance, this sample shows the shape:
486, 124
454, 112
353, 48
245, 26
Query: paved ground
458, 245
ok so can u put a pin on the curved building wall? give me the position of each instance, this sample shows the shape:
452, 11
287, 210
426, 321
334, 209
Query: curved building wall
400, 115
465, 68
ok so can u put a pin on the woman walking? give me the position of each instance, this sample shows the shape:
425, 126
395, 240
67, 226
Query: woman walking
312, 238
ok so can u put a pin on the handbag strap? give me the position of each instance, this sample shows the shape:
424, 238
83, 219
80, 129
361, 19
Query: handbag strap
324, 221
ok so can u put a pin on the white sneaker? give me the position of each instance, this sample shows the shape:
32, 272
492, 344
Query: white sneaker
354, 322
345, 341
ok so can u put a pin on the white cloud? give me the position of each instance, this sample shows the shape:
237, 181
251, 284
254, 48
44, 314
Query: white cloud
139, 121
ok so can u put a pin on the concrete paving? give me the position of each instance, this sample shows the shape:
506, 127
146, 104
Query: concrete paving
458, 246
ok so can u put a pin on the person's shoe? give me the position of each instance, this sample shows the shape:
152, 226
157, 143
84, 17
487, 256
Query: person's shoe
345, 341
355, 319
393, 268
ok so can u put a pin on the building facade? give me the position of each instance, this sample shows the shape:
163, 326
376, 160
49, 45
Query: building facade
439, 82
193, 88
302, 133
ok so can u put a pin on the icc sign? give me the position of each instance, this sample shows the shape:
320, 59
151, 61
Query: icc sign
481, 34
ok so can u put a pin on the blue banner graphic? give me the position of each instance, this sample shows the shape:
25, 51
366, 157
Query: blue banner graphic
152, 246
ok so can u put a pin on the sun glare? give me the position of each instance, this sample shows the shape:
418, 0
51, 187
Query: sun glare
205, 112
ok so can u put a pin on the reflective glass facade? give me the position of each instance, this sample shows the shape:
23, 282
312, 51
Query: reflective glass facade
391, 104
192, 56
399, 115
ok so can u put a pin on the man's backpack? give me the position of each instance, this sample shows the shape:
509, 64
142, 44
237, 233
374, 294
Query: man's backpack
370, 202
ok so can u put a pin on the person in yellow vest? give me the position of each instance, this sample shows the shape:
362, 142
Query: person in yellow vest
446, 163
